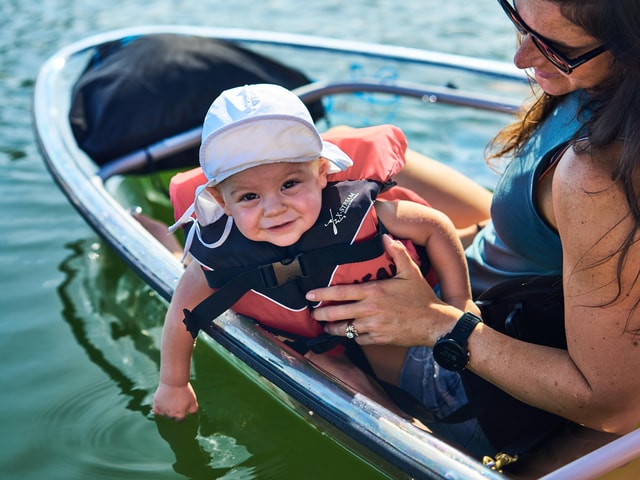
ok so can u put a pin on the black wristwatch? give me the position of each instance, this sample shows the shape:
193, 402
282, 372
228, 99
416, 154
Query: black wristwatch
451, 351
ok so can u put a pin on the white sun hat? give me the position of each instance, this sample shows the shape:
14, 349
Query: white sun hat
255, 125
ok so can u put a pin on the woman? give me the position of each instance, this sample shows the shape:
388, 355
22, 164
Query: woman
567, 204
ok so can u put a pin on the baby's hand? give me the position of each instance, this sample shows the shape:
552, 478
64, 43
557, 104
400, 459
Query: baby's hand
175, 402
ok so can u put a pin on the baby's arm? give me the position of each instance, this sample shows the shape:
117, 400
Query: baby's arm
432, 229
175, 397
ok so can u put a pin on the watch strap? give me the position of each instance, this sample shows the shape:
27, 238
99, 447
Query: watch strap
463, 328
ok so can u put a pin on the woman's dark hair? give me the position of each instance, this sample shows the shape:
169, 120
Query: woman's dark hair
614, 125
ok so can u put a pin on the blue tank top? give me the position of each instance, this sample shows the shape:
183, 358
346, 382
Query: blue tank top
517, 241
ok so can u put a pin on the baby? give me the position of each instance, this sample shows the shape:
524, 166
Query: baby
270, 212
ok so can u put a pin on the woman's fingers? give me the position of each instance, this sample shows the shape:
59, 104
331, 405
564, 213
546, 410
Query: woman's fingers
406, 267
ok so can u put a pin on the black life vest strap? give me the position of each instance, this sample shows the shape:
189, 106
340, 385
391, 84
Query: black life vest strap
276, 274
320, 344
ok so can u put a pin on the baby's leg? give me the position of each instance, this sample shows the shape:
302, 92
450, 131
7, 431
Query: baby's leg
342, 368
386, 361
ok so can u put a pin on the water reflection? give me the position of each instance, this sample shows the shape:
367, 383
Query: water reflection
117, 320
204, 456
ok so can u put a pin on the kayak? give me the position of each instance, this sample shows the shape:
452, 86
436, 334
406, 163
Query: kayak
109, 149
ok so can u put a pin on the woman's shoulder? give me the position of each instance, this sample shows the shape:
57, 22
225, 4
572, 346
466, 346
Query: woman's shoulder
585, 170
588, 204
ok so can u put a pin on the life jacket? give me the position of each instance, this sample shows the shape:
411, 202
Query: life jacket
347, 219
344, 245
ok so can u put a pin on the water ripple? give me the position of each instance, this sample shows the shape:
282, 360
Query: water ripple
106, 442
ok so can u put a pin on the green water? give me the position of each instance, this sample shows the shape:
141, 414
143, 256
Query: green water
79, 332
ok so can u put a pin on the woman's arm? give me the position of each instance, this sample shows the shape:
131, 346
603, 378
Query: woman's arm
592, 216
594, 383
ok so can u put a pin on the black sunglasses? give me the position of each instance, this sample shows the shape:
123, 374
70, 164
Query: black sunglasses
559, 60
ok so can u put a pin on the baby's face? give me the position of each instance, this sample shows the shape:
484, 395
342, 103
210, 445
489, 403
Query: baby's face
276, 202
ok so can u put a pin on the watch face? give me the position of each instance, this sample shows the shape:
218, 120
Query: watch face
450, 355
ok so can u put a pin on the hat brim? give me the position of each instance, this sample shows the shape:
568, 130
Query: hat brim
338, 160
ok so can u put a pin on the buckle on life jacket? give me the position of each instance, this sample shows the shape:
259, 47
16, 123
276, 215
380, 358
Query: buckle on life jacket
277, 274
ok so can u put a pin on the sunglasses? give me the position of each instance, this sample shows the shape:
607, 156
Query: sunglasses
559, 60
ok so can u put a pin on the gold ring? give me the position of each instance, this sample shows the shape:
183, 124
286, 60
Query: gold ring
350, 331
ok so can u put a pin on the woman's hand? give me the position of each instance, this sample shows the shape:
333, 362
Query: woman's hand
401, 311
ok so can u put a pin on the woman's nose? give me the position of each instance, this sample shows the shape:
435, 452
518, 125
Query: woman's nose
527, 53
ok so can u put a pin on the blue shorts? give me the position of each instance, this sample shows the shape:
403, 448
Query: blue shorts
441, 392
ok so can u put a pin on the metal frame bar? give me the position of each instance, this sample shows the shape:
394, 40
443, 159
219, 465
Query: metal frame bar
310, 93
